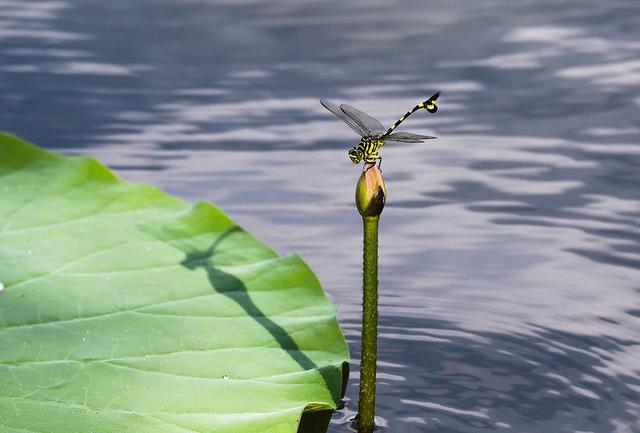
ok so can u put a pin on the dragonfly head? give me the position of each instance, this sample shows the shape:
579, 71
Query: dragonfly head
356, 155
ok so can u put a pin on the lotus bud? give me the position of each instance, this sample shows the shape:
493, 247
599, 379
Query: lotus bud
371, 191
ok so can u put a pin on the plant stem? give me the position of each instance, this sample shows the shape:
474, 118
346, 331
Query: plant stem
368, 357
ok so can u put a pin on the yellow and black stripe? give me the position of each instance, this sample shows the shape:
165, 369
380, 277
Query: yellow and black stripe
429, 105
366, 150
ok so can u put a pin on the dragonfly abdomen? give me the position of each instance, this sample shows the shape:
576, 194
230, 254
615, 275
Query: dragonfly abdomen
429, 105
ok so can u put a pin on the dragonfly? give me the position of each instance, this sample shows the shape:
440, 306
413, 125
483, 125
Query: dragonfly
372, 133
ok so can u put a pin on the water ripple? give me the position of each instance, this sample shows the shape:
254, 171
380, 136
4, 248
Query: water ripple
510, 246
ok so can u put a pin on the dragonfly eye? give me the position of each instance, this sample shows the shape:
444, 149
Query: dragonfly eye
356, 155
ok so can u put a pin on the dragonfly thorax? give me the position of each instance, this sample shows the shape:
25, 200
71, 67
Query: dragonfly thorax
366, 150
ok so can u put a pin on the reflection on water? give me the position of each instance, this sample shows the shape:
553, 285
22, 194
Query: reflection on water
510, 247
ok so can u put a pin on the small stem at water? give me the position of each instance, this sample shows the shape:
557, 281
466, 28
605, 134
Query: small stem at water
371, 195
368, 357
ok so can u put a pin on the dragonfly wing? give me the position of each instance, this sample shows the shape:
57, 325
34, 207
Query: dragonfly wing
344, 117
371, 125
407, 137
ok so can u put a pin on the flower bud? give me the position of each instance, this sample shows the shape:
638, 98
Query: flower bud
371, 191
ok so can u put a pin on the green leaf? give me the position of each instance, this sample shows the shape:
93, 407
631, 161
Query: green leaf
125, 310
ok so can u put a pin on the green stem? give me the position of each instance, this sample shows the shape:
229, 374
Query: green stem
367, 403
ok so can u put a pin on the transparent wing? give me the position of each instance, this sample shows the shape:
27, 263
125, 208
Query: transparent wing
371, 125
407, 137
343, 116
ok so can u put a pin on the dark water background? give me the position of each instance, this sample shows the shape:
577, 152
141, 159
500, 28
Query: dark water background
510, 247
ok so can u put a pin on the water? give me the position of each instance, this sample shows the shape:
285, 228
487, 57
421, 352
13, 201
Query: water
510, 246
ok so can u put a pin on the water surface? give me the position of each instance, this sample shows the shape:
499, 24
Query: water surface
510, 246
